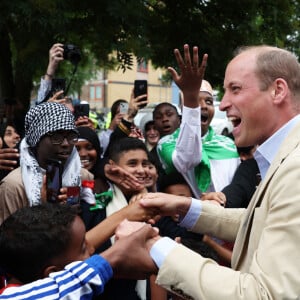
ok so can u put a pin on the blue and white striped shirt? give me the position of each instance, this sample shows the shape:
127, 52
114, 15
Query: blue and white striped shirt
79, 280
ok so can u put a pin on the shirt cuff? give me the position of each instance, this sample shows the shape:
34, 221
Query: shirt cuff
191, 116
192, 215
161, 249
101, 266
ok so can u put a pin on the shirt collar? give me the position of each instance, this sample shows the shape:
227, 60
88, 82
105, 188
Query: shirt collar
266, 152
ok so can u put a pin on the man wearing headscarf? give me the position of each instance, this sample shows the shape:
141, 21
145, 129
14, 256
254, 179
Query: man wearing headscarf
50, 133
206, 160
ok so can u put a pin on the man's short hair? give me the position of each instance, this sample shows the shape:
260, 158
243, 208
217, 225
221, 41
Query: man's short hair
273, 63
32, 236
158, 106
167, 180
126, 144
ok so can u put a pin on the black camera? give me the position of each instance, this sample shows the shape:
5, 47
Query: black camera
72, 53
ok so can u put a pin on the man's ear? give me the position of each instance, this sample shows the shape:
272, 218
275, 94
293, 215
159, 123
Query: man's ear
111, 162
49, 270
279, 90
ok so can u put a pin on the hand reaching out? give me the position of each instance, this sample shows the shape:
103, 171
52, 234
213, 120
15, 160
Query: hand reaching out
121, 177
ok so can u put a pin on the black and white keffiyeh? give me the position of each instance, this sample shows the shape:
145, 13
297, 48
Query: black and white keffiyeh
44, 118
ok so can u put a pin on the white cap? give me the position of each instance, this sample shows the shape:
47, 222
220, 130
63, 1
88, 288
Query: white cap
206, 87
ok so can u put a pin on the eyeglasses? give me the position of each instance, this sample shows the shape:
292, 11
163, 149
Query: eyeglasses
58, 138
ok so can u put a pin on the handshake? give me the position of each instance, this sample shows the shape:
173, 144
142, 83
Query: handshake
130, 254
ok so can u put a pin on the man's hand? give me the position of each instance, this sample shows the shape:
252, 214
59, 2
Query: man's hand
121, 177
85, 121
9, 158
56, 54
129, 255
134, 106
116, 121
215, 197
189, 81
136, 212
167, 204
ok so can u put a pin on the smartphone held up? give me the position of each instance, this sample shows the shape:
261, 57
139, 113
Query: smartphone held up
53, 179
140, 88
81, 110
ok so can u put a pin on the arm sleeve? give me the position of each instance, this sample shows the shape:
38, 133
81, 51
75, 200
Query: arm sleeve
79, 280
182, 150
44, 89
188, 151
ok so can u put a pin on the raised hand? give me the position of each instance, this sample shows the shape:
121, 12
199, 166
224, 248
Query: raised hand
191, 74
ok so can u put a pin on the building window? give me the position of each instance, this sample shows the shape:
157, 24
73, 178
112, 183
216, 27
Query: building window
142, 65
95, 92
98, 92
92, 92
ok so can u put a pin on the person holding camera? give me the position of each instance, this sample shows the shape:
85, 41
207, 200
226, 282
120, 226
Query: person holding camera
50, 93
56, 55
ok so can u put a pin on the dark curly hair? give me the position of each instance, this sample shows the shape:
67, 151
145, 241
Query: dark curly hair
32, 236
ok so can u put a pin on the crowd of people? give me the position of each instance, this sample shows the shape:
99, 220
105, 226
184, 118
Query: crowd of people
168, 211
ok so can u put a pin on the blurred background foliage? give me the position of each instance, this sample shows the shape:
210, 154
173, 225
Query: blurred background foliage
149, 29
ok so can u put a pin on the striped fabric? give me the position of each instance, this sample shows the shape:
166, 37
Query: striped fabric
79, 280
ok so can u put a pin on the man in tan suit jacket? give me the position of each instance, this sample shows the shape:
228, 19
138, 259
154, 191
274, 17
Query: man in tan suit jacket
262, 98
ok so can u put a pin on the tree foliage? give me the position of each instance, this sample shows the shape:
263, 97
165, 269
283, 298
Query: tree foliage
149, 29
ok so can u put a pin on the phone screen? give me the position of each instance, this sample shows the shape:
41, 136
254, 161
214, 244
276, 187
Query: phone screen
123, 108
140, 88
53, 179
58, 84
81, 110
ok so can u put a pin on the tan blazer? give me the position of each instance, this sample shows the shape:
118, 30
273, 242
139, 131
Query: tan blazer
266, 255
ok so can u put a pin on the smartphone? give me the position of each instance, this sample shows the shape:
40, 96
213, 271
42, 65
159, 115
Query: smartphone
58, 84
140, 88
81, 110
73, 195
54, 179
123, 108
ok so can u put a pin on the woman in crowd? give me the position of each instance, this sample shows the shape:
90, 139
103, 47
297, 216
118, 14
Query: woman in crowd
9, 138
90, 151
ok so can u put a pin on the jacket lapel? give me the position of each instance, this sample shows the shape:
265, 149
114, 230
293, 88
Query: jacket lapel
241, 244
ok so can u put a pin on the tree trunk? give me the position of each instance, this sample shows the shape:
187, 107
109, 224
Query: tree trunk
6, 72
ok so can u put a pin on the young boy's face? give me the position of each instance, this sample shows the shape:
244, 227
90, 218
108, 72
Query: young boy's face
136, 163
179, 189
152, 176
78, 248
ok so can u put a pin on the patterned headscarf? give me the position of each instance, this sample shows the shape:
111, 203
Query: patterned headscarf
44, 118
41, 119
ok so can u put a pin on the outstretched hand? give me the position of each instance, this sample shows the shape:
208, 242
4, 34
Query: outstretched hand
129, 255
166, 204
121, 177
191, 74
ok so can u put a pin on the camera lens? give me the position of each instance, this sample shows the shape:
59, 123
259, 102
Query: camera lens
72, 53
